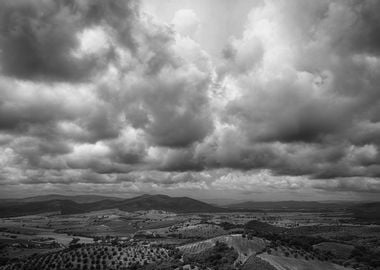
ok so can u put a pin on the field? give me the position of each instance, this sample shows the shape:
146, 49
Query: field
244, 247
255, 262
156, 239
285, 263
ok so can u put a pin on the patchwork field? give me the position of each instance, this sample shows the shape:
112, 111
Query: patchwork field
285, 263
157, 239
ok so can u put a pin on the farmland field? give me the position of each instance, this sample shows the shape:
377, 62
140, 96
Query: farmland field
284, 263
245, 247
158, 239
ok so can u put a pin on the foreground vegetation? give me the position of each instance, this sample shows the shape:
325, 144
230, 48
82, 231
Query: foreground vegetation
156, 239
88, 257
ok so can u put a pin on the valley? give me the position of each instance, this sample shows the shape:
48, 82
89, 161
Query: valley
162, 232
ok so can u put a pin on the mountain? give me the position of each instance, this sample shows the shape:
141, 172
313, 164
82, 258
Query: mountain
167, 203
51, 197
144, 202
76, 198
289, 206
31, 208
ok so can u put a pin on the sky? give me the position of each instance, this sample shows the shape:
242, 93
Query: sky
212, 99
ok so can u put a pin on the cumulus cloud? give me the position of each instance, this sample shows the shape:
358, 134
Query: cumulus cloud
99, 92
300, 95
186, 22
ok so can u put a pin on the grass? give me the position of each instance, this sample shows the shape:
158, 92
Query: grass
243, 246
255, 262
285, 263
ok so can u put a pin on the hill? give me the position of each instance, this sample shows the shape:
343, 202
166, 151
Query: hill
244, 247
26, 208
51, 197
282, 263
144, 202
290, 206
167, 203
76, 198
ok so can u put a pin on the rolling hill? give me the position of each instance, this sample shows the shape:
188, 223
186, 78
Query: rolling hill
166, 203
144, 202
289, 206
76, 198
51, 197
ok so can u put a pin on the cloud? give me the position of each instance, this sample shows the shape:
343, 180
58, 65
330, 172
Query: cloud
361, 185
186, 22
95, 92
291, 85
171, 104
37, 39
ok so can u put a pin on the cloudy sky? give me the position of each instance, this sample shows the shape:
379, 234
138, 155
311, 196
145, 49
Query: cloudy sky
245, 99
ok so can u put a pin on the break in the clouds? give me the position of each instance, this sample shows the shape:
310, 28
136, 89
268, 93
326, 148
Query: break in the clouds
116, 96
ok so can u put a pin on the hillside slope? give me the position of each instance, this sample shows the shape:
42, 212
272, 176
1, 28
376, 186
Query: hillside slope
76, 198
166, 203
144, 202
285, 263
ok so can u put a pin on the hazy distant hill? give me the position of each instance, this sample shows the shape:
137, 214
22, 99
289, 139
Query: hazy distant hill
77, 198
289, 205
31, 208
144, 202
51, 197
87, 203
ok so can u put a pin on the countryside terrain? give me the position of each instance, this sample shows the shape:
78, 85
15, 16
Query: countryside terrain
161, 232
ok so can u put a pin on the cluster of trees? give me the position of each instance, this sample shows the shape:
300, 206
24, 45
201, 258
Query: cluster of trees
201, 231
93, 257
173, 262
230, 226
262, 227
367, 256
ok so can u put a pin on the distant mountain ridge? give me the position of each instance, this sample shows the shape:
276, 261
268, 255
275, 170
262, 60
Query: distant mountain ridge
289, 205
76, 198
366, 212
143, 202
51, 197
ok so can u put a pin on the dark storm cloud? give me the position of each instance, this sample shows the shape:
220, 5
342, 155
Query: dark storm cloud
171, 104
181, 160
366, 29
38, 38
